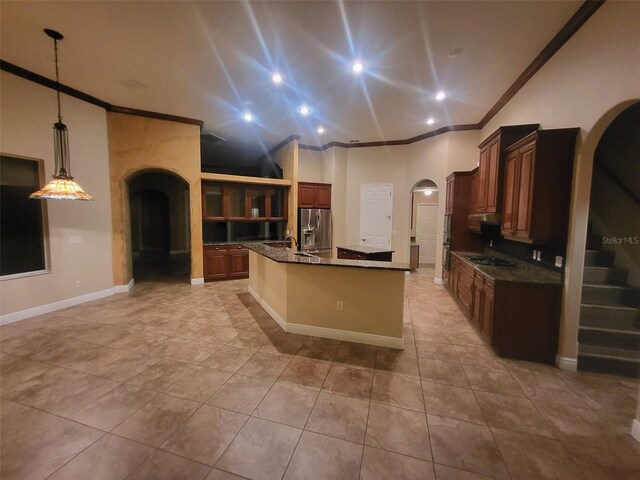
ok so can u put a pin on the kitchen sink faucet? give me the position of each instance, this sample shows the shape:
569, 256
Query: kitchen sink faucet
284, 242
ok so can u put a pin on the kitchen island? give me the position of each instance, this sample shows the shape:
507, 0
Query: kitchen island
350, 300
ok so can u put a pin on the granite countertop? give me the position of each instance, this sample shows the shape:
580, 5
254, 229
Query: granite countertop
242, 242
365, 249
286, 256
523, 272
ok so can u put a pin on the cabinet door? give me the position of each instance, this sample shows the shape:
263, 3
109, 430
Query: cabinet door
510, 192
493, 173
277, 203
215, 263
306, 195
257, 202
476, 314
482, 180
448, 206
487, 312
236, 202
522, 226
238, 262
212, 201
474, 225
323, 196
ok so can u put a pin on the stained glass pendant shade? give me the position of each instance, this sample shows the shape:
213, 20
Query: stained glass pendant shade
62, 186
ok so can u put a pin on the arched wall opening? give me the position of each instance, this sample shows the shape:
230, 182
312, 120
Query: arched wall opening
608, 326
159, 234
423, 225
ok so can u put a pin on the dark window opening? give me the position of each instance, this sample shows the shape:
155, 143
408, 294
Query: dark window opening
22, 238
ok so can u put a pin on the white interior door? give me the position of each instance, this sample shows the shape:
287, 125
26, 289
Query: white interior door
426, 226
376, 206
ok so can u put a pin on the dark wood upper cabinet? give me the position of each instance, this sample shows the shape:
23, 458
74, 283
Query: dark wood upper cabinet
458, 204
241, 202
491, 165
474, 225
448, 206
314, 195
537, 187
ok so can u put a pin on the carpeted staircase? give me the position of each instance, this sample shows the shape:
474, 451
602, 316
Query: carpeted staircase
609, 331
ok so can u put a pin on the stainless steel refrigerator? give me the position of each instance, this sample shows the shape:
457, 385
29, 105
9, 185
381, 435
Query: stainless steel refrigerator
314, 231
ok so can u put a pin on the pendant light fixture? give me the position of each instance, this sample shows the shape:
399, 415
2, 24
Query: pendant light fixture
62, 187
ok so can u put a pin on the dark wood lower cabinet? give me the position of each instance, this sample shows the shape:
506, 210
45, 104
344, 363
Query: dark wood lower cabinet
225, 262
518, 320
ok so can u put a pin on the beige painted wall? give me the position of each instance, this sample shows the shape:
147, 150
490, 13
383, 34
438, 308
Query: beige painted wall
403, 166
26, 120
311, 166
287, 158
137, 144
586, 84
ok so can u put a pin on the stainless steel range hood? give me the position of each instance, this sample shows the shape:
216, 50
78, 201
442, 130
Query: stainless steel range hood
491, 218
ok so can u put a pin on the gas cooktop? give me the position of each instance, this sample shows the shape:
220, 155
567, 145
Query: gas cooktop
489, 260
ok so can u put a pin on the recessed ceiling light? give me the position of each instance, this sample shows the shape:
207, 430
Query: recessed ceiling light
277, 78
320, 130
430, 121
304, 110
357, 67
440, 95
248, 117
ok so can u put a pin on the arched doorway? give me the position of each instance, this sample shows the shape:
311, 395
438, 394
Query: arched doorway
609, 328
160, 236
425, 199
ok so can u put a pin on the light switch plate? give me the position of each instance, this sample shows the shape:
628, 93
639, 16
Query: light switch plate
535, 254
559, 260
75, 239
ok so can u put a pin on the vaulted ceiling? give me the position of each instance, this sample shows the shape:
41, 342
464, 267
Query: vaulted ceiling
214, 61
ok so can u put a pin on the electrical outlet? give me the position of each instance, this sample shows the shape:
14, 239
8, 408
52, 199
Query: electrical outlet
559, 260
535, 254
539, 257
340, 305
78, 283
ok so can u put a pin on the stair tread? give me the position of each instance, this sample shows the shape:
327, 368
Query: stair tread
609, 285
617, 306
632, 331
609, 352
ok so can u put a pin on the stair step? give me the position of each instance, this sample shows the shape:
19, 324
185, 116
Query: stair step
609, 316
629, 355
599, 258
610, 295
605, 275
609, 338
590, 361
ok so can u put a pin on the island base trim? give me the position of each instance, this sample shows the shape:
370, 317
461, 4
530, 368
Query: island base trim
635, 429
567, 363
275, 315
332, 333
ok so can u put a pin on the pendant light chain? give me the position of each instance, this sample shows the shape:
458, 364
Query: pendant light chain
55, 50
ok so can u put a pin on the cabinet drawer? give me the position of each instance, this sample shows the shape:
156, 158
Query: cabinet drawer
465, 298
467, 268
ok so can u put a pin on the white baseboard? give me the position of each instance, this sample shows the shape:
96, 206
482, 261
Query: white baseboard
197, 281
567, 363
333, 333
438, 281
275, 315
124, 288
407, 273
52, 307
635, 429
346, 335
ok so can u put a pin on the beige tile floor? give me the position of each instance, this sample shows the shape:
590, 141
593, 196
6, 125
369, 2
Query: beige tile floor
180, 382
